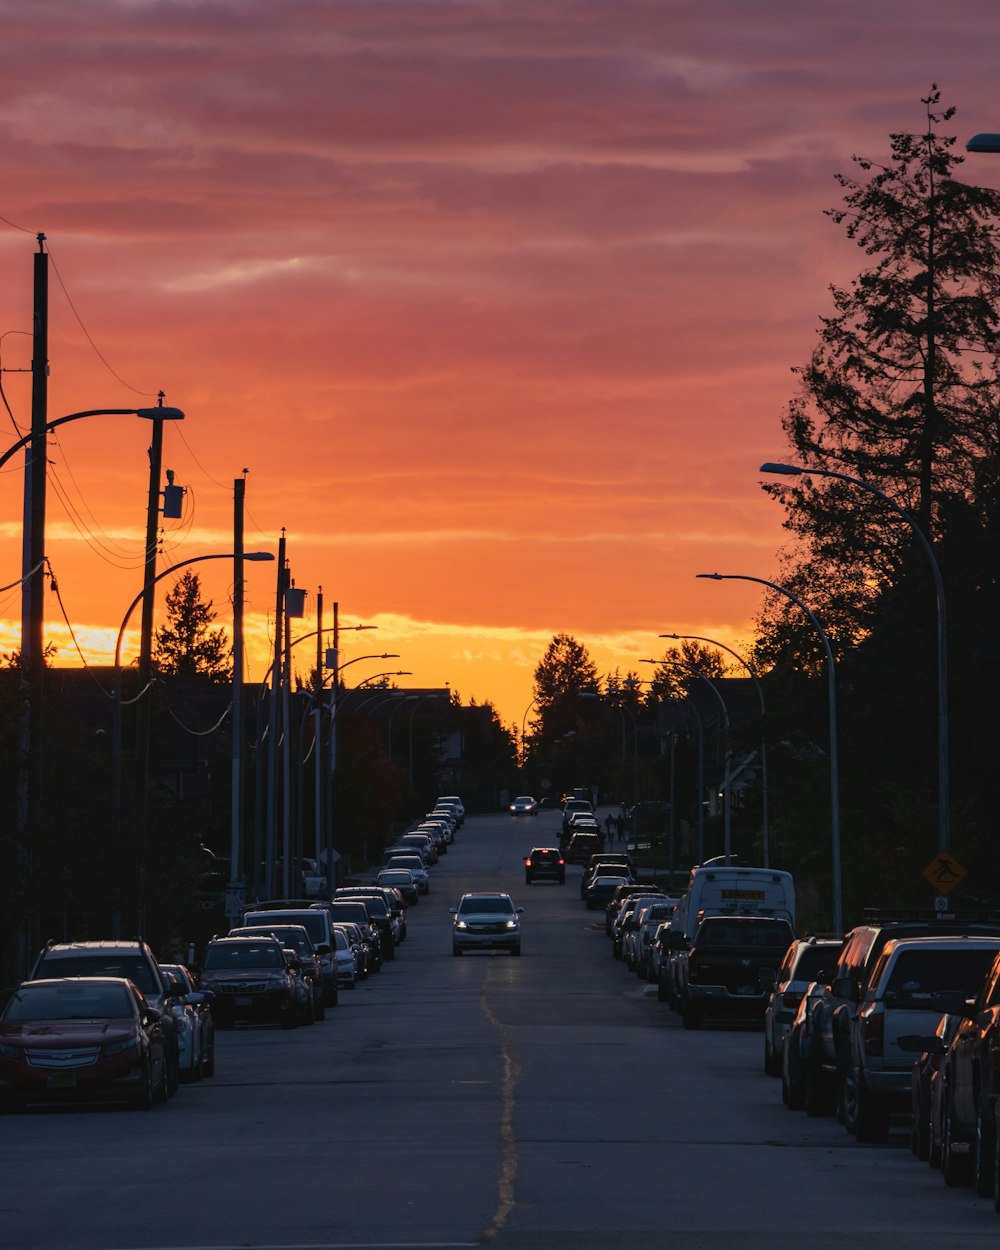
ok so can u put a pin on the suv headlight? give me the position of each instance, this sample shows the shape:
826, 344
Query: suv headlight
511, 924
460, 924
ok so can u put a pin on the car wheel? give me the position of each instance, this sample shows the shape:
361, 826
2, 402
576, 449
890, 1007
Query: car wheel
817, 1092
791, 1092
847, 1101
772, 1062
161, 1091
142, 1100
289, 1017
661, 993
319, 1008
208, 1061
996, 1161
527, 880
456, 950
872, 1114
956, 1168
983, 1178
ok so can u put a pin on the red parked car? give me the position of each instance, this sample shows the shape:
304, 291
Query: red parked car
82, 1039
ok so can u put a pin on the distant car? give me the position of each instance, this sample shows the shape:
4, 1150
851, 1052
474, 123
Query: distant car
582, 845
485, 921
544, 863
575, 807
296, 938
524, 805
403, 880
82, 1039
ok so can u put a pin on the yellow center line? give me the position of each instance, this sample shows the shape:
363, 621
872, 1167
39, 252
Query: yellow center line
511, 1071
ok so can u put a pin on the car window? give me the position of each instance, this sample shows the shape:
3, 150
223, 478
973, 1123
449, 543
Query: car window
242, 955
487, 906
917, 974
73, 1001
100, 964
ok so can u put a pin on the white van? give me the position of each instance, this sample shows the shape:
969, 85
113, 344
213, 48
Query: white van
726, 890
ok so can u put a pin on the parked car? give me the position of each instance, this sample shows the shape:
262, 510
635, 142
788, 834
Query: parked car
724, 970
296, 938
251, 980
582, 845
192, 1011
808, 959
648, 921
927, 1087
407, 857
544, 863
485, 920
346, 960
829, 1055
575, 807
82, 1039
359, 946
316, 920
971, 1082
899, 1000
113, 958
403, 880
798, 1040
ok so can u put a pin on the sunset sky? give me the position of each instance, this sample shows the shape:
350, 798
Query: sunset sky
497, 301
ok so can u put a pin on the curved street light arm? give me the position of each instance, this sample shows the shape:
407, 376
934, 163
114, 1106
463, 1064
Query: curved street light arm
944, 751
834, 760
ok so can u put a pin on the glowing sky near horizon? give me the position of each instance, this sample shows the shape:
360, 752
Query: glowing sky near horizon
496, 300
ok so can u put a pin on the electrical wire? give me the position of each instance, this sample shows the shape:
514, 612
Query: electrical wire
14, 226
195, 733
180, 435
123, 553
21, 580
3, 393
72, 633
93, 543
87, 335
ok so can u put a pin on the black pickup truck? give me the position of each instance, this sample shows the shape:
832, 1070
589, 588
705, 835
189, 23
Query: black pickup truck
720, 973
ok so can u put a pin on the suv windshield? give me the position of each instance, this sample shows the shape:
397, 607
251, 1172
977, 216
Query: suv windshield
100, 964
242, 954
493, 904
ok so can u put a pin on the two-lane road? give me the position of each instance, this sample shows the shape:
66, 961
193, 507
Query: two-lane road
547, 1101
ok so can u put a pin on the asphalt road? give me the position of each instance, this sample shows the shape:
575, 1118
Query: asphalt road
547, 1101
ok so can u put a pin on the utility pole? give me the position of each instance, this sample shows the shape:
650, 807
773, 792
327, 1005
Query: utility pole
318, 731
274, 722
32, 754
236, 893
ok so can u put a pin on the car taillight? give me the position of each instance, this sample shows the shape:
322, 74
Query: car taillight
562, 863
874, 1034
527, 863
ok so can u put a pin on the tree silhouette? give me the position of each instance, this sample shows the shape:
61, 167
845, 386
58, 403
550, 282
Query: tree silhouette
187, 645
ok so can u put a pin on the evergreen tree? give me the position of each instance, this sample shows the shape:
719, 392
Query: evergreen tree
187, 645
564, 672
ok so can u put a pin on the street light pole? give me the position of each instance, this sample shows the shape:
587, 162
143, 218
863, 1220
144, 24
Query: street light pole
116, 736
944, 796
763, 744
727, 798
834, 761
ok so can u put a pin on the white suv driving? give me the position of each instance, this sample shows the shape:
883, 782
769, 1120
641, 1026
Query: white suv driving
485, 921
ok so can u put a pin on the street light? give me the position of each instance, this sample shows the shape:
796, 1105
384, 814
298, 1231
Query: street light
763, 744
116, 737
983, 143
834, 762
727, 797
944, 797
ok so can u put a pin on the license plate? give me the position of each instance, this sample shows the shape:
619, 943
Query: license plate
62, 1080
243, 1000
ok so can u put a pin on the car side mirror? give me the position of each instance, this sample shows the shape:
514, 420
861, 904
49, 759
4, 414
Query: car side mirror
453, 910
951, 1003
847, 987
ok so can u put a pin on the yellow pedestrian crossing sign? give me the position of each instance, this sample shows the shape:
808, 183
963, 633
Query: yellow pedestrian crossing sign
944, 872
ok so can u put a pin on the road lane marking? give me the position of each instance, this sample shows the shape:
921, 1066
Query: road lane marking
511, 1071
